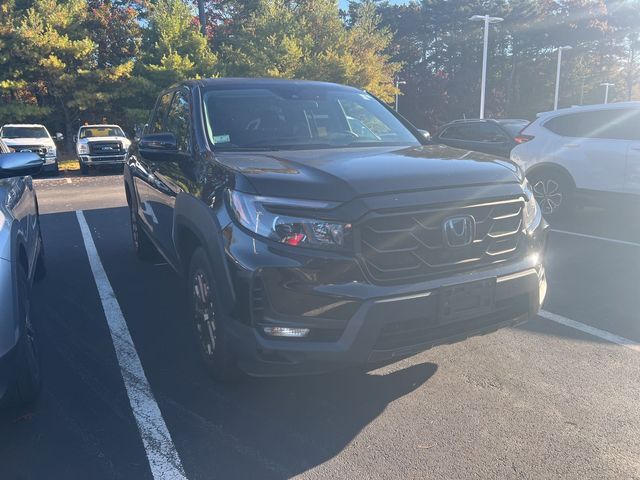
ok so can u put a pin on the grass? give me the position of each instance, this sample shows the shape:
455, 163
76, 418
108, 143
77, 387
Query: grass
68, 163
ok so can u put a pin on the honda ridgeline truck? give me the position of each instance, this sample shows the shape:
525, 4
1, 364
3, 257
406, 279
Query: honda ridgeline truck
316, 229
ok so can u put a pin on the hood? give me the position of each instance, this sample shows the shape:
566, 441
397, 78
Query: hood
9, 142
124, 140
343, 174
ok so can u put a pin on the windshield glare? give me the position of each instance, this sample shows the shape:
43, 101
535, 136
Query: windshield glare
24, 132
89, 132
299, 118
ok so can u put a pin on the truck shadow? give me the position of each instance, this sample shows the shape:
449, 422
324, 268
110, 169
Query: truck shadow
280, 428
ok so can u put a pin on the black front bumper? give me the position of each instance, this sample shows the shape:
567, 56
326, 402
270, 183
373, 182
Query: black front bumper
351, 320
97, 160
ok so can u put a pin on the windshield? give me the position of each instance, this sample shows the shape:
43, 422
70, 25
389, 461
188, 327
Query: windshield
24, 132
290, 116
88, 132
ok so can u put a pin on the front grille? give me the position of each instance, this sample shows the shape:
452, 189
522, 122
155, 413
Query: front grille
410, 246
39, 149
105, 148
104, 158
425, 331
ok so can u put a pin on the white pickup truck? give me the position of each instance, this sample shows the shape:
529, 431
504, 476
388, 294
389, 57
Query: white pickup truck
33, 138
101, 145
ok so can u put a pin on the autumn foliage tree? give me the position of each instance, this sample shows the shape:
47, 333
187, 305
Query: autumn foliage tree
63, 62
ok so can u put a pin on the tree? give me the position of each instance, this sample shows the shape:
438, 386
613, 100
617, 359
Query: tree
172, 49
308, 40
74, 55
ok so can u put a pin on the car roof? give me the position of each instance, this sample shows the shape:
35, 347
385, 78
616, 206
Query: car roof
589, 108
23, 125
512, 120
101, 125
259, 82
487, 120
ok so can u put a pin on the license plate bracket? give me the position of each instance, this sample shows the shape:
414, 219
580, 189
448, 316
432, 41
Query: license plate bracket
466, 300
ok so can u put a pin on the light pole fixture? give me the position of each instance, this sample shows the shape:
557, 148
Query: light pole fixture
398, 83
487, 20
606, 90
560, 50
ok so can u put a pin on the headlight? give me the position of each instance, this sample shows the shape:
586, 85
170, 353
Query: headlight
83, 148
261, 216
532, 214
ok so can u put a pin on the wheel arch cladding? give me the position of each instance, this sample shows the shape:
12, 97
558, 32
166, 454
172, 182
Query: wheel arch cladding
545, 166
195, 225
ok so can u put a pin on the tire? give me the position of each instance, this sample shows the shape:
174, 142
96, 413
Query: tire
209, 327
84, 169
26, 379
554, 193
142, 245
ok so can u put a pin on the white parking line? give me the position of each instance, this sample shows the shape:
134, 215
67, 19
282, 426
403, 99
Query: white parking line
161, 453
596, 332
595, 237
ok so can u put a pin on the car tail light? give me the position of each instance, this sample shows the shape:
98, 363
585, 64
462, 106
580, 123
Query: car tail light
523, 138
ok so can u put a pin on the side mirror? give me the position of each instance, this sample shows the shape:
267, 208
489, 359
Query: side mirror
17, 164
59, 137
75, 139
166, 142
425, 133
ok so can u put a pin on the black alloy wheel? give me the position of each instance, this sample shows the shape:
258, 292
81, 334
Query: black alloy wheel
208, 323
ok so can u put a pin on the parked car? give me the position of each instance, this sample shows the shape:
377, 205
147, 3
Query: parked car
33, 138
101, 145
582, 154
309, 243
495, 137
21, 261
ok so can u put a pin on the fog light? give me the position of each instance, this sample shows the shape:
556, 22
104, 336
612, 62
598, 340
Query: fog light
286, 332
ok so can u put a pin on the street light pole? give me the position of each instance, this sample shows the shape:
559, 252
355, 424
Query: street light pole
487, 20
606, 90
560, 49
398, 83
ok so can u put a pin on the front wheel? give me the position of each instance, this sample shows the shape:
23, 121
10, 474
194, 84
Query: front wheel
553, 191
208, 323
84, 169
26, 375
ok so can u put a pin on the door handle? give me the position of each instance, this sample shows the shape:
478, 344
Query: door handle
636, 147
571, 145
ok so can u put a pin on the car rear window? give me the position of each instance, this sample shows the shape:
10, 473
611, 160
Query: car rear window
476, 132
514, 128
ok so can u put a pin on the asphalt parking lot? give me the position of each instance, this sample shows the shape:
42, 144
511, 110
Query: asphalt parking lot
544, 400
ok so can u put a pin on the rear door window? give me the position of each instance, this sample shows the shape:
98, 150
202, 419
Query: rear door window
614, 124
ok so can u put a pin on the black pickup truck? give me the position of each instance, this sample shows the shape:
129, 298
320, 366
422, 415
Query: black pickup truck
316, 229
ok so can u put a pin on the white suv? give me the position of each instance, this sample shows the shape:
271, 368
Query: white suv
592, 150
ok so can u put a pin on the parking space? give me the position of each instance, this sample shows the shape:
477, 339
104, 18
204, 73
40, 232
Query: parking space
539, 401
